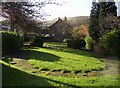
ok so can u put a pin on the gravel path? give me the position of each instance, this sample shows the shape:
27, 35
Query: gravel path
111, 65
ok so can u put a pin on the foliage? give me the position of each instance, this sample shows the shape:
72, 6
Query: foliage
109, 23
22, 14
99, 18
111, 8
66, 40
11, 42
106, 8
102, 11
80, 32
38, 41
107, 16
94, 29
47, 39
110, 41
89, 42
76, 43
5, 22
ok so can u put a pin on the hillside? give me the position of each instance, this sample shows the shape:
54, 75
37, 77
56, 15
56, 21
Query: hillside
75, 21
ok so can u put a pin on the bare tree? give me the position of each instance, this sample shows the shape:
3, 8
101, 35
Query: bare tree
22, 13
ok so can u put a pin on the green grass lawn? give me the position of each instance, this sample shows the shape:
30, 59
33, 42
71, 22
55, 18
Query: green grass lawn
13, 76
56, 56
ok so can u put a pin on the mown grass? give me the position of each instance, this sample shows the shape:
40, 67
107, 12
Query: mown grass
56, 56
13, 76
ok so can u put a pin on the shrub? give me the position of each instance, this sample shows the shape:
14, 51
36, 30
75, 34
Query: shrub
47, 39
89, 42
11, 42
80, 31
111, 42
38, 41
76, 44
29, 36
66, 40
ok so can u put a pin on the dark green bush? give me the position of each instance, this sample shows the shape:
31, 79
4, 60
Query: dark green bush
76, 44
11, 42
38, 41
111, 42
47, 39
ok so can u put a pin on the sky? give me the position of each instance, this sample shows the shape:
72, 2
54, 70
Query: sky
70, 8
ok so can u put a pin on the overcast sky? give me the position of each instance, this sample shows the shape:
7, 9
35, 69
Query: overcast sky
70, 8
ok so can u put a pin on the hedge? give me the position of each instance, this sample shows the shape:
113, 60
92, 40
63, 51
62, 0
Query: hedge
11, 42
76, 44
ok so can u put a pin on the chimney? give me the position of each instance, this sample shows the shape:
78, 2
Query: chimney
65, 19
59, 18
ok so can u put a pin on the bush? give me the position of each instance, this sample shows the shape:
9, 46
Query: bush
11, 42
76, 44
47, 39
89, 42
66, 40
29, 36
38, 41
111, 42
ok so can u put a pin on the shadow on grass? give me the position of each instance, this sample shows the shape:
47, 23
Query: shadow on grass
32, 54
14, 77
74, 51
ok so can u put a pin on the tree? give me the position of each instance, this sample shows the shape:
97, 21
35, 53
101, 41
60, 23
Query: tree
102, 10
107, 9
80, 32
99, 18
106, 23
94, 29
111, 8
21, 13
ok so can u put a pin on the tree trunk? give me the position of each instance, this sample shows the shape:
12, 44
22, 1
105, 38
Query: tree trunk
12, 26
99, 50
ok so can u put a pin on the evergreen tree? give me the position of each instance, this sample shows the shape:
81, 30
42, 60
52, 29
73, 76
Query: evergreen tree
102, 4
94, 22
107, 10
99, 15
111, 8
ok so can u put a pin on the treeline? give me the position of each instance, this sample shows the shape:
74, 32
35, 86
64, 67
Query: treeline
104, 27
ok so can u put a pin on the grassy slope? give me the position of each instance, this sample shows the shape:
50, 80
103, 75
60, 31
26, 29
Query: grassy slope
12, 76
58, 57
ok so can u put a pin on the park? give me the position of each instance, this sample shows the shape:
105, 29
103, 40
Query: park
80, 51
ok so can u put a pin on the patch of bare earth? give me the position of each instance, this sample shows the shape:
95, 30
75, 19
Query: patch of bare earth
111, 68
22, 63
